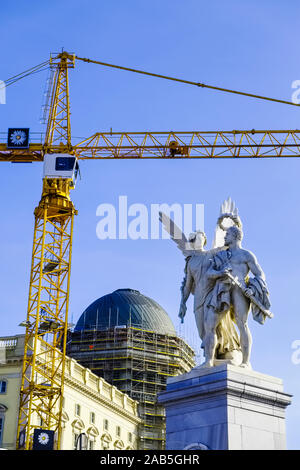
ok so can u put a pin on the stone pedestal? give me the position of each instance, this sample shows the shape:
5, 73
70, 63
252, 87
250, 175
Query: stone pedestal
225, 407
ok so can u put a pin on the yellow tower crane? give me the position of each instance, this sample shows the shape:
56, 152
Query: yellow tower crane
42, 386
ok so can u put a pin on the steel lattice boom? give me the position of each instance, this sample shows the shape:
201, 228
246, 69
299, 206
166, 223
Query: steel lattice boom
131, 145
220, 144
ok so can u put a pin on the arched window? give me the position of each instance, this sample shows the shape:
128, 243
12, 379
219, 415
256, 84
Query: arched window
92, 434
105, 441
78, 428
118, 444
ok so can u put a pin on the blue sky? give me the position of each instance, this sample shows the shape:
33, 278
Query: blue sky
249, 45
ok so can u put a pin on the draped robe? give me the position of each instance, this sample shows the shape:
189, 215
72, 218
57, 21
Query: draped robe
210, 293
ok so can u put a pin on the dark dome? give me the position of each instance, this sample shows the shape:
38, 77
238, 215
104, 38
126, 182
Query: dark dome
126, 307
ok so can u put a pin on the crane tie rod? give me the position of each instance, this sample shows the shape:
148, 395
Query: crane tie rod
188, 82
26, 73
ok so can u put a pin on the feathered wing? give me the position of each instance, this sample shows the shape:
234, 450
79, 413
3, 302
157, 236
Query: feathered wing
228, 217
175, 233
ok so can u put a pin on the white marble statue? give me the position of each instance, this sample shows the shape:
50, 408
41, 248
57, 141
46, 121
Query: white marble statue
222, 288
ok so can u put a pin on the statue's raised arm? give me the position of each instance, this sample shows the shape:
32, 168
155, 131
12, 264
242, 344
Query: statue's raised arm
227, 218
191, 247
185, 245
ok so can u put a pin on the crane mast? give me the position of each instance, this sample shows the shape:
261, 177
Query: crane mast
41, 394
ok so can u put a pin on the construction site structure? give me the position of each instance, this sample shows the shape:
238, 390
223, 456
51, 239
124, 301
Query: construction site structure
131, 357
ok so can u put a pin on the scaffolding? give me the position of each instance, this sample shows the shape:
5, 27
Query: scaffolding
138, 362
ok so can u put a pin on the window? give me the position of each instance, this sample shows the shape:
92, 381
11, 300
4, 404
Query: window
2, 417
129, 437
105, 445
91, 445
3, 386
1, 428
105, 424
75, 440
64, 163
92, 417
77, 409
118, 431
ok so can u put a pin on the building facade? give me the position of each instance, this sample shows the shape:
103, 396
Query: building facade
108, 417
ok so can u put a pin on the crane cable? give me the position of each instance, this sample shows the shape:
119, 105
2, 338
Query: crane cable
26, 73
202, 85
44, 65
